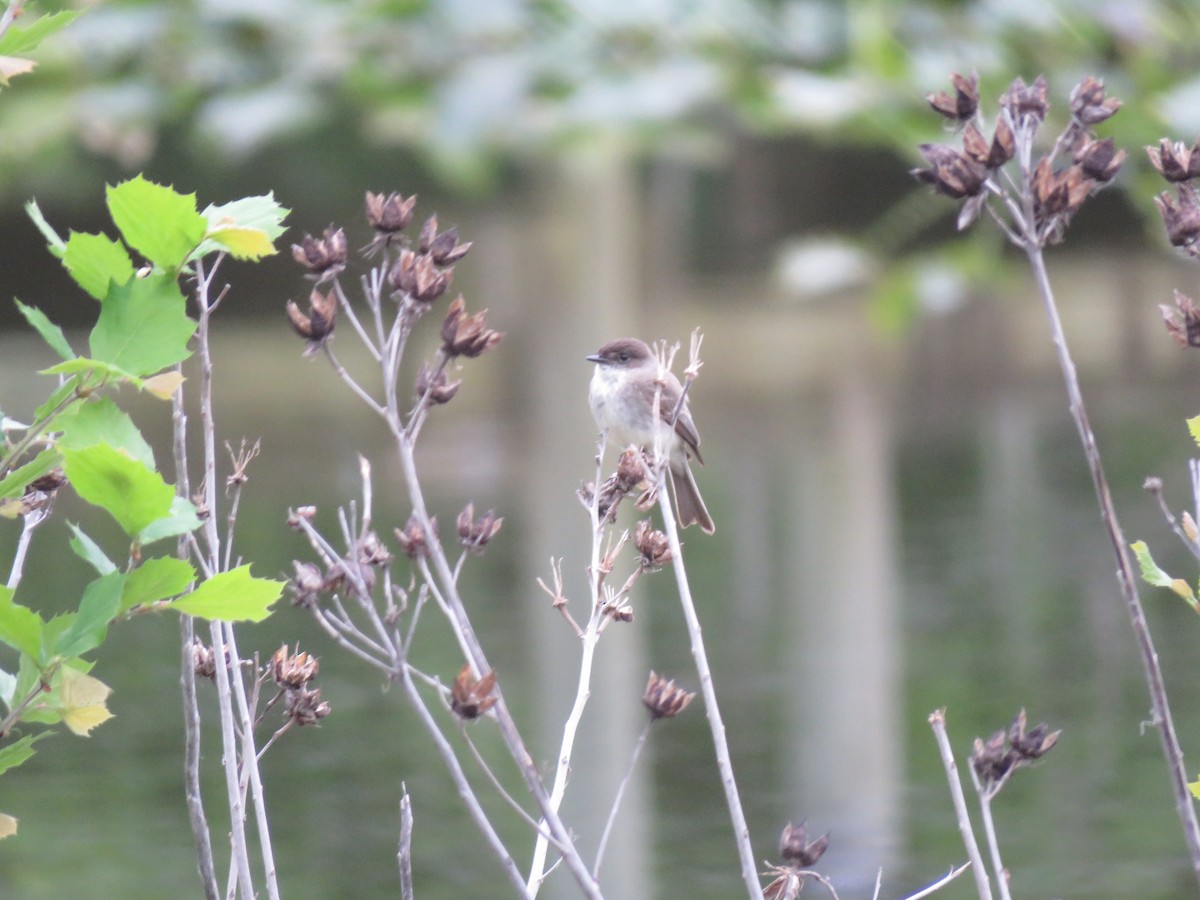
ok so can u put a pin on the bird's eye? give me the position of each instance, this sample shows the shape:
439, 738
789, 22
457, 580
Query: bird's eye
624, 357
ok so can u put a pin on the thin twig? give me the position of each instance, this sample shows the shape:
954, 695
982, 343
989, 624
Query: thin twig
404, 854
989, 831
612, 813
937, 721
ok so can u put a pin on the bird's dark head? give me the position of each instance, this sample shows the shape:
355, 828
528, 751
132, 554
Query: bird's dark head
625, 353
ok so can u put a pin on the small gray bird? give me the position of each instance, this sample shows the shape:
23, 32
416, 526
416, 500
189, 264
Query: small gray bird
622, 396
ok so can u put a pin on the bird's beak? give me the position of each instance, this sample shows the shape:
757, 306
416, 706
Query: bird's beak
596, 358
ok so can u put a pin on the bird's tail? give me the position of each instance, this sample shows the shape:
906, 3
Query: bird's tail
689, 505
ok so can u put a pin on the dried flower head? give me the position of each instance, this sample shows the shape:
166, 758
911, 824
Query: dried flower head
417, 275
474, 533
471, 697
653, 545
307, 583
317, 326
412, 537
1182, 218
664, 698
304, 706
962, 104
48, 483
1183, 320
436, 384
465, 335
991, 155
631, 470
797, 850
293, 670
1027, 103
389, 213
1177, 161
1088, 103
371, 550
443, 248
324, 257
204, 660
1099, 159
1006, 751
950, 172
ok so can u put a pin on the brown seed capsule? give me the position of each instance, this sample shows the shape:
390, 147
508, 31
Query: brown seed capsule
391, 213
440, 388
1182, 218
470, 697
653, 545
797, 850
465, 335
304, 706
474, 533
412, 538
1183, 320
317, 326
664, 698
1177, 161
1099, 160
1088, 103
307, 583
324, 257
951, 172
293, 670
965, 100
1027, 103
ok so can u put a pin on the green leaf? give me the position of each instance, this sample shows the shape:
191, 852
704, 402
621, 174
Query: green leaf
18, 751
50, 332
241, 243
101, 421
1152, 574
89, 551
182, 519
23, 38
156, 579
133, 494
59, 398
91, 372
98, 606
234, 596
262, 213
143, 326
1193, 425
158, 222
56, 244
20, 627
95, 260
15, 482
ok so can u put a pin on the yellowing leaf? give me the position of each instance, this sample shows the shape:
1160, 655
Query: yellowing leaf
14, 65
8, 825
241, 242
164, 385
83, 701
1193, 425
1152, 574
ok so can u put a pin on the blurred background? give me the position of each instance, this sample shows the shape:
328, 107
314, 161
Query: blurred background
905, 519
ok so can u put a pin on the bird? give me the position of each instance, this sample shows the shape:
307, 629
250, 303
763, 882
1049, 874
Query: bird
621, 395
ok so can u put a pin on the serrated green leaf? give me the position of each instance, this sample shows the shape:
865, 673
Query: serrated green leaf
133, 494
156, 221
56, 244
18, 751
1193, 425
182, 519
233, 596
1194, 787
50, 332
25, 37
89, 551
156, 579
242, 243
1152, 574
91, 372
95, 260
97, 608
20, 627
263, 213
15, 482
101, 421
143, 326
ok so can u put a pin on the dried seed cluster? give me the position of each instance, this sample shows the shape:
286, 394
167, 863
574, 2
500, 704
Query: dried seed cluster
1007, 750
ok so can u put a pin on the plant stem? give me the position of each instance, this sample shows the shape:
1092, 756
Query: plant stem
937, 721
612, 814
712, 710
1126, 574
